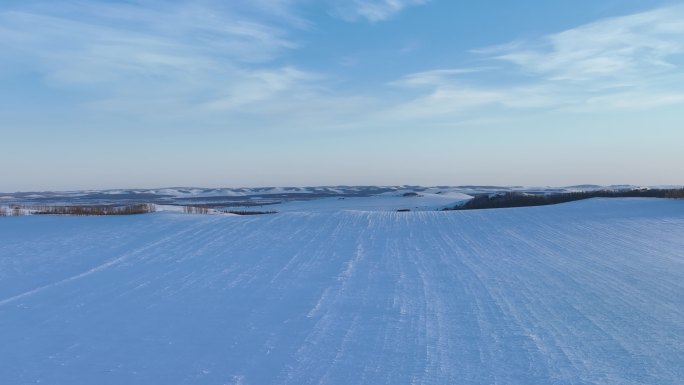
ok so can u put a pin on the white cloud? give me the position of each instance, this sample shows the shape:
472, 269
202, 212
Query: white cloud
436, 77
131, 37
218, 62
616, 48
635, 101
371, 10
264, 85
623, 63
178, 65
148, 57
446, 101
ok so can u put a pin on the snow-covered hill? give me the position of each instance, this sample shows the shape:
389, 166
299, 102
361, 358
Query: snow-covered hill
393, 201
590, 292
189, 195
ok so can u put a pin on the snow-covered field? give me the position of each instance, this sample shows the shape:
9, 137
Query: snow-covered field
590, 292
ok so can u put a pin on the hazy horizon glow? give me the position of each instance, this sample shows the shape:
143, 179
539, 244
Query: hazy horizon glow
146, 93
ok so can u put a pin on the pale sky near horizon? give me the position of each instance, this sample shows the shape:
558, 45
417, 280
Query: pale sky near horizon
151, 93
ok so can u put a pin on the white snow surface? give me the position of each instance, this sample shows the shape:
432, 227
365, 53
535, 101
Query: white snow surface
589, 292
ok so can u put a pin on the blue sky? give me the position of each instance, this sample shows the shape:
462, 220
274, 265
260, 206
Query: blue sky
150, 93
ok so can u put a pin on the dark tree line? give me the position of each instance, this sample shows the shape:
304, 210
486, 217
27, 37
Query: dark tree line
248, 212
519, 199
140, 208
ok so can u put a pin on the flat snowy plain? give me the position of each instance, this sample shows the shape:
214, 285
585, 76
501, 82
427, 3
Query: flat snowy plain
589, 292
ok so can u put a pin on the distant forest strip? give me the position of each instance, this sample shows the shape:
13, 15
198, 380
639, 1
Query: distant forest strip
140, 208
249, 212
521, 199
205, 209
98, 210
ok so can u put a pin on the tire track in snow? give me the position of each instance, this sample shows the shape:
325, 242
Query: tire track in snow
327, 311
96, 269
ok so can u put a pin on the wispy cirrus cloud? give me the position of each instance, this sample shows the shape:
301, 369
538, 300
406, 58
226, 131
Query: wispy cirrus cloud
150, 57
184, 63
627, 62
262, 85
221, 61
436, 77
371, 10
617, 48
